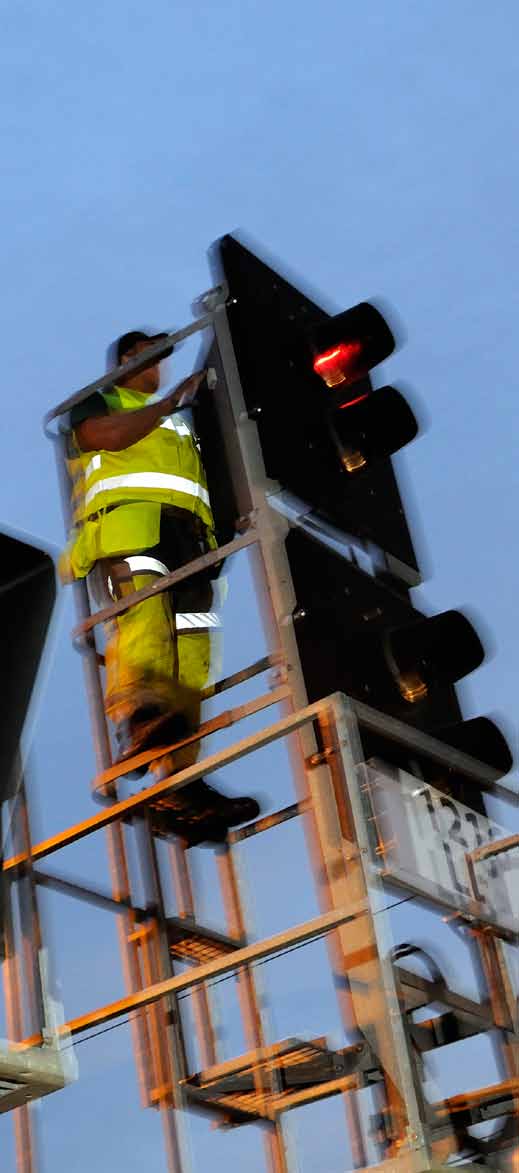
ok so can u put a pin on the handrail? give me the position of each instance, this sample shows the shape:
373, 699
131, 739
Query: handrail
279, 729
497, 847
309, 930
125, 369
138, 802
215, 725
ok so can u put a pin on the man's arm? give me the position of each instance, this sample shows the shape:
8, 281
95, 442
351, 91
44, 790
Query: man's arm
120, 430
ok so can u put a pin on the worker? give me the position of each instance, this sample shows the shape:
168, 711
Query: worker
141, 509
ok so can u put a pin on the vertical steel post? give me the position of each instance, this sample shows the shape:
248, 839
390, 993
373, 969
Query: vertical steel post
168, 1050
202, 1012
29, 917
369, 961
25, 1140
504, 1004
275, 1142
114, 834
22, 972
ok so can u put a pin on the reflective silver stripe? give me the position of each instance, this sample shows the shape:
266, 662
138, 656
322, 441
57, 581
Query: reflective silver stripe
140, 562
148, 480
190, 620
184, 620
94, 463
177, 426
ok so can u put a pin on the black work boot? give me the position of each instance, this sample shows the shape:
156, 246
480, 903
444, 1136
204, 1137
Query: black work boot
233, 810
198, 813
148, 728
192, 828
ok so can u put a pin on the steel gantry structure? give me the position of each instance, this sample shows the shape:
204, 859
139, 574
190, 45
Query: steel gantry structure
354, 833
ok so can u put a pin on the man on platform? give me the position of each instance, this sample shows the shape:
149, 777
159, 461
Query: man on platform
141, 508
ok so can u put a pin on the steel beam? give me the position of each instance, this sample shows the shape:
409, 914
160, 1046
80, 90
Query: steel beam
307, 931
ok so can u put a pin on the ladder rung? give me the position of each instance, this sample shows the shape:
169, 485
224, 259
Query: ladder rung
164, 583
223, 721
275, 660
268, 821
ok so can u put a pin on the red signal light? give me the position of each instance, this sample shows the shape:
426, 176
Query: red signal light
339, 364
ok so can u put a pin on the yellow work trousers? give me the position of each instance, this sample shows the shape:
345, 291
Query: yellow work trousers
148, 661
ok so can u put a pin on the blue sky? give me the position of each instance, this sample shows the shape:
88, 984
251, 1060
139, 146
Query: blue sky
371, 148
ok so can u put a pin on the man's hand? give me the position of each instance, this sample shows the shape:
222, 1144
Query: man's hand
121, 429
185, 392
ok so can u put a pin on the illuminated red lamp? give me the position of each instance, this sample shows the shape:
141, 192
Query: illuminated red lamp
348, 345
340, 364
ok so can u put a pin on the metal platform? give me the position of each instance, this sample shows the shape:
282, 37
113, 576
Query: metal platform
274, 1077
30, 1074
286, 1075
189, 941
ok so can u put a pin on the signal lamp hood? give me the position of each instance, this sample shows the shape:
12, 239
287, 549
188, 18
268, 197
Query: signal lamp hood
481, 739
372, 428
434, 651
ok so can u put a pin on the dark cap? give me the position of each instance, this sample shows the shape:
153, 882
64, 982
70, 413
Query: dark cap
127, 341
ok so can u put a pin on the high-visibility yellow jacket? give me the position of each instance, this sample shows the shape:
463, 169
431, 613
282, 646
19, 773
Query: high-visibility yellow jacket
117, 496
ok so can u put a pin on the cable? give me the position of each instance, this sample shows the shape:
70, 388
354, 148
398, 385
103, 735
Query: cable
96, 1033
228, 976
388, 907
285, 952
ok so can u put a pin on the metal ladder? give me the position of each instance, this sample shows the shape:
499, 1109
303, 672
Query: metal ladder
377, 997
